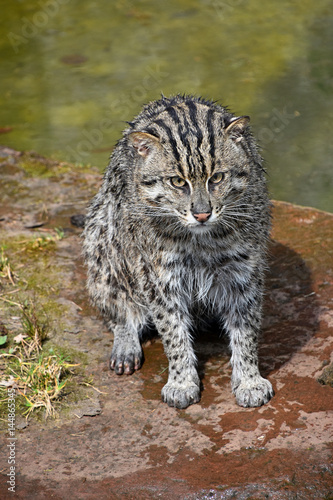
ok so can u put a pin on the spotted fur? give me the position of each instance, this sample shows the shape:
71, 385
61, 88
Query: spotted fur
178, 228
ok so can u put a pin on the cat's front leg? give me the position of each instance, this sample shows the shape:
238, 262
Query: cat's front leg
183, 386
249, 387
126, 356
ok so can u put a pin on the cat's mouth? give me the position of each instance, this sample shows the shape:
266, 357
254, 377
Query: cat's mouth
199, 227
200, 224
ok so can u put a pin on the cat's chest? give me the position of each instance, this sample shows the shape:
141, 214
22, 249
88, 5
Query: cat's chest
188, 270
194, 273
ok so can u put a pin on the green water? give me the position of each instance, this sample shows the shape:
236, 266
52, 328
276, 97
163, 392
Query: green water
72, 72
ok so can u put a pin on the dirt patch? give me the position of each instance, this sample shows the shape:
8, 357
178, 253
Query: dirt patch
116, 439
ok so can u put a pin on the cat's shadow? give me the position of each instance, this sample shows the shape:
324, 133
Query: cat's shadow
289, 316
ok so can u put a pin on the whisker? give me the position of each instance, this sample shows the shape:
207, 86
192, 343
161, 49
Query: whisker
237, 214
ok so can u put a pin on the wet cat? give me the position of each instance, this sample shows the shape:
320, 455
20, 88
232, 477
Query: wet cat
180, 225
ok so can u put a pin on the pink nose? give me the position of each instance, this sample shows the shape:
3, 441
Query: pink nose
202, 217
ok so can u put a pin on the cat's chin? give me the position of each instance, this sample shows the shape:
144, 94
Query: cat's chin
199, 228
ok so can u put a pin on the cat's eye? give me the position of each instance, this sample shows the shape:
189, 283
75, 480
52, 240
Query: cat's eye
178, 182
217, 178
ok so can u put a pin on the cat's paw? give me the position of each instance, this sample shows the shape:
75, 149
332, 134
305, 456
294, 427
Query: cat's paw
253, 392
180, 397
125, 359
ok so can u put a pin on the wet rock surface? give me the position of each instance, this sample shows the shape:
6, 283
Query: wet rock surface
120, 440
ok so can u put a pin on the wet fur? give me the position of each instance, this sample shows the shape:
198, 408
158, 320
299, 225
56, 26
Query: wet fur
151, 262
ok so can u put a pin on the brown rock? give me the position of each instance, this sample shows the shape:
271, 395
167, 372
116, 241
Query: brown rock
135, 447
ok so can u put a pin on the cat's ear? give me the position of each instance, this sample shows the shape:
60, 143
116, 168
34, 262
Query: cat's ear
237, 126
143, 143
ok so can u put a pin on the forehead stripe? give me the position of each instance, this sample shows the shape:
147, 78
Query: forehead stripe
211, 135
172, 142
199, 135
183, 133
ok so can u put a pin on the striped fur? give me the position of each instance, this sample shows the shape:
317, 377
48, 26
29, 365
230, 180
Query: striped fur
179, 227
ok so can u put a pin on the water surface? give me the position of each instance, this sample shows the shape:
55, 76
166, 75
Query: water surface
73, 72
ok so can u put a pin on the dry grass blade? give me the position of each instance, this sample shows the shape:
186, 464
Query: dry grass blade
5, 267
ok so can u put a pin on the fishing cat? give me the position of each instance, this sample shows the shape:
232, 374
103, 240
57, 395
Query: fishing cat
180, 225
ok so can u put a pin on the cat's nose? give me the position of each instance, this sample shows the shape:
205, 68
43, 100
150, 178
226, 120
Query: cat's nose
202, 217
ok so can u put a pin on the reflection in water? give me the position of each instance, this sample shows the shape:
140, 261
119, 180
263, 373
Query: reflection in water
74, 72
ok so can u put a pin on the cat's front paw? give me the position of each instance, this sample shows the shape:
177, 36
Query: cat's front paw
253, 392
180, 397
125, 359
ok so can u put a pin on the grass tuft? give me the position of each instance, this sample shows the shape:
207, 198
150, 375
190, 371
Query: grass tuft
38, 376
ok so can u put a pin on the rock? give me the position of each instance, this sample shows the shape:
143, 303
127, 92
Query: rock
136, 447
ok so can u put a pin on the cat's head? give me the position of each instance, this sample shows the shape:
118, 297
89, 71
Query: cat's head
194, 176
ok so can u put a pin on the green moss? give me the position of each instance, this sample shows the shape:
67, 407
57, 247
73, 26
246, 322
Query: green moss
36, 169
37, 166
35, 276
